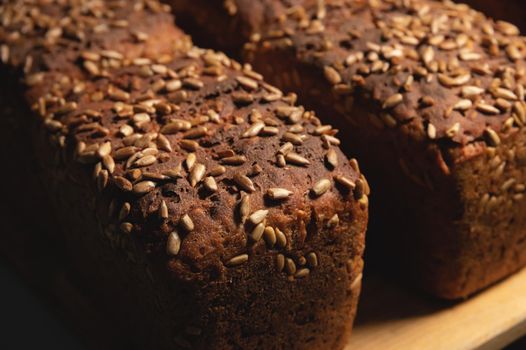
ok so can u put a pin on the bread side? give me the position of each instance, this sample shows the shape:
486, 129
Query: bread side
205, 206
427, 93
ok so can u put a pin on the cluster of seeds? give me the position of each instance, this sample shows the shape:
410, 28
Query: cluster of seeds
397, 51
193, 125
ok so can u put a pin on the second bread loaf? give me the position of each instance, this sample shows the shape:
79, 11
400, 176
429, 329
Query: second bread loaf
431, 95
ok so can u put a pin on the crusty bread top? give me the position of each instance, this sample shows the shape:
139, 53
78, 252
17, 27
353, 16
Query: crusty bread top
437, 67
201, 161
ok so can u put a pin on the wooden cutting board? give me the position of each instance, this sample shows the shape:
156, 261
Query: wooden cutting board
391, 317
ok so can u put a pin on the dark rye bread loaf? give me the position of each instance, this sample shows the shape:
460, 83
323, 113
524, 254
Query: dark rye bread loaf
207, 209
430, 94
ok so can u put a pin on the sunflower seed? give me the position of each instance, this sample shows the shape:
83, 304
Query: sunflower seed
187, 223
292, 138
492, 137
290, 266
487, 108
320, 130
281, 239
505, 94
197, 174
126, 227
469, 56
164, 143
321, 187
278, 193
463, 105
195, 132
330, 140
359, 191
193, 83
176, 126
125, 152
247, 83
102, 179
258, 216
190, 160
453, 130
244, 207
126, 130
280, 161
304, 272
269, 235
163, 210
392, 101
4, 54
217, 171
210, 184
234, 160
174, 173
312, 259
145, 161
333, 221
269, 131
254, 129
173, 245
109, 163
242, 98
237, 260
431, 131
104, 149
471, 91
453, 81
345, 181
244, 182
141, 118
332, 158
286, 148
257, 232
173, 85
296, 159
143, 187
122, 183
118, 95
519, 109
125, 211
280, 262
332, 75
91, 67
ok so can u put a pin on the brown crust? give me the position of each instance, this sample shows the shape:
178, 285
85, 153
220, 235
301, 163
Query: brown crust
176, 137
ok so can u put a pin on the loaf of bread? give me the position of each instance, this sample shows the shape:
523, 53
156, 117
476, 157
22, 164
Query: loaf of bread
509, 10
207, 209
430, 94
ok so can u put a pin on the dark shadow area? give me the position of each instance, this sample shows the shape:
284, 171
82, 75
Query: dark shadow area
508, 10
29, 322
